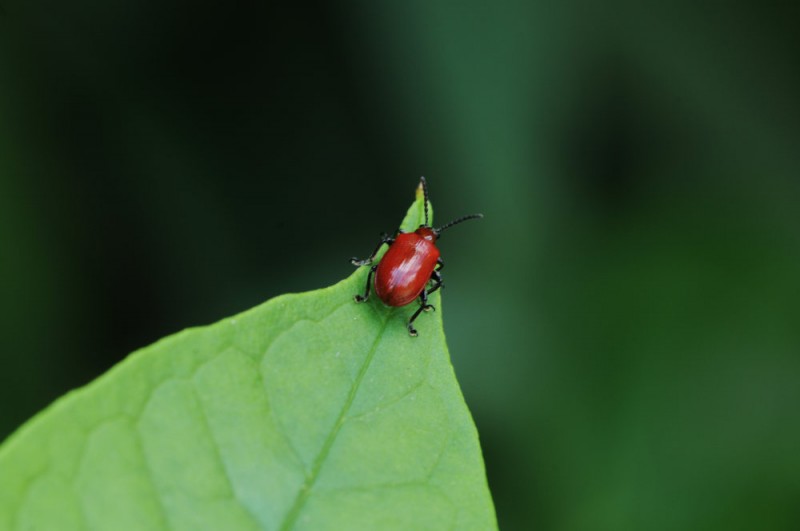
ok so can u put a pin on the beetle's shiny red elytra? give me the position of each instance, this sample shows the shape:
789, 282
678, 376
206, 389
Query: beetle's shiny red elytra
406, 267
411, 262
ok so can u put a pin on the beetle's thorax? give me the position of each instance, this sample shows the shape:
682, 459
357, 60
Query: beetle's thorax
426, 233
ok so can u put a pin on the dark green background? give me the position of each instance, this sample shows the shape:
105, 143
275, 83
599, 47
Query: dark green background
624, 322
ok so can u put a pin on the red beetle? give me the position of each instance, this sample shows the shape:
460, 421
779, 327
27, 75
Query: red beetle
411, 262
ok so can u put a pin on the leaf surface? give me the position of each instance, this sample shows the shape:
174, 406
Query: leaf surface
306, 412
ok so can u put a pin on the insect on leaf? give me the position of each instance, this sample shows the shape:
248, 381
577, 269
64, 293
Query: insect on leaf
306, 412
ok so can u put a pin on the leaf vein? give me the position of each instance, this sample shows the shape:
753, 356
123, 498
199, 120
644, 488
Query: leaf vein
305, 490
149, 473
218, 453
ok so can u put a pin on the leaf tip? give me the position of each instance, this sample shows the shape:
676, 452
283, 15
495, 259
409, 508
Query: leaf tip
420, 192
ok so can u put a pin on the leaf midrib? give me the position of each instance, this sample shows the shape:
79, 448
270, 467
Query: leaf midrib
308, 485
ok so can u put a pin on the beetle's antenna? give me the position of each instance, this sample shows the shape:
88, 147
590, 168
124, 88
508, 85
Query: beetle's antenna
456, 222
425, 191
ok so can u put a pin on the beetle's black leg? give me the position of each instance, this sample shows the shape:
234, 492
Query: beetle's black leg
436, 277
366, 261
436, 280
423, 306
363, 298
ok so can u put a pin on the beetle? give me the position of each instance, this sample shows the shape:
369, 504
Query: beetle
411, 263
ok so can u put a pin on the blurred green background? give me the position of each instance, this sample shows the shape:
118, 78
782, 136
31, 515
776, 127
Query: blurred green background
624, 322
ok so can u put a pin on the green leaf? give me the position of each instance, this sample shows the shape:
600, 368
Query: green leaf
307, 412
